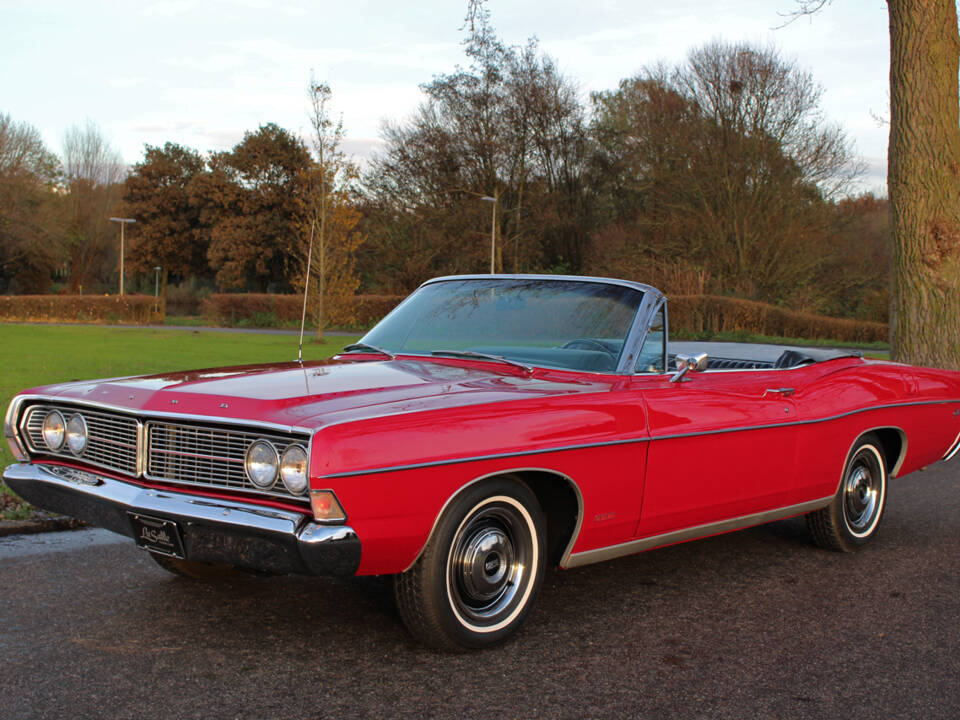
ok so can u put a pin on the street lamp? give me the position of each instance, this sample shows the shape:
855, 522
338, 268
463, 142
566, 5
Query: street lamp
122, 221
493, 231
156, 289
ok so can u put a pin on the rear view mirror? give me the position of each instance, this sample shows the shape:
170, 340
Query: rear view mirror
686, 363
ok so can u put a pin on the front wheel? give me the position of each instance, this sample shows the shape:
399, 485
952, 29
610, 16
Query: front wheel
851, 519
479, 574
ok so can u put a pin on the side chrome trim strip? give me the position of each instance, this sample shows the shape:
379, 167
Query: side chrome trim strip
630, 441
476, 458
648, 543
952, 450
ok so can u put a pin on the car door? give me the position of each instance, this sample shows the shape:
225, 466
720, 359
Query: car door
722, 446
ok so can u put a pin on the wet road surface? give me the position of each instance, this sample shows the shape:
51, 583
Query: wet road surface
752, 624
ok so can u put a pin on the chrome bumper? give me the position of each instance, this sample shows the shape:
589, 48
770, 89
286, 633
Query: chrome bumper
214, 530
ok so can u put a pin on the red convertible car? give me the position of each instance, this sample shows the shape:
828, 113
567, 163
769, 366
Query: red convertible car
488, 426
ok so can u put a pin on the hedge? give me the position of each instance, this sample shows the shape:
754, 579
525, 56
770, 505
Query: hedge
712, 313
136, 309
693, 313
265, 309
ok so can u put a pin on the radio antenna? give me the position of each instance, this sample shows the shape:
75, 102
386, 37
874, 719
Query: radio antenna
306, 287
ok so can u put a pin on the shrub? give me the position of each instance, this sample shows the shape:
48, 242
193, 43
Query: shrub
254, 308
712, 313
371, 309
184, 298
137, 309
233, 308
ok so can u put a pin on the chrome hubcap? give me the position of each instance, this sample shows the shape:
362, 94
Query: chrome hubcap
489, 564
862, 492
486, 563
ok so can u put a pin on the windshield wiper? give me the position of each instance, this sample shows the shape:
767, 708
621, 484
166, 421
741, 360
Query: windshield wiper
371, 348
481, 356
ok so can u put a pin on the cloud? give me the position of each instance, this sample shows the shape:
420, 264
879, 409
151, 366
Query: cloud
362, 149
127, 81
874, 178
168, 8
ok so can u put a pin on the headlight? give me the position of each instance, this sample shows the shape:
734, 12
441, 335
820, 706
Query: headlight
293, 469
262, 463
53, 430
77, 434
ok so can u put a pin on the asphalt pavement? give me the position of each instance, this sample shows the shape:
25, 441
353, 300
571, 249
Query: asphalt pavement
752, 624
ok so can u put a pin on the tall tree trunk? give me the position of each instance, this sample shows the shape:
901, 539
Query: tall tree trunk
924, 183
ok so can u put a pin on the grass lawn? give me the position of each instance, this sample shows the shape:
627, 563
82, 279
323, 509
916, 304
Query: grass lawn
32, 355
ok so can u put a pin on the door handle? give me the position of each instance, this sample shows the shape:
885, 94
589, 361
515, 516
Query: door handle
784, 392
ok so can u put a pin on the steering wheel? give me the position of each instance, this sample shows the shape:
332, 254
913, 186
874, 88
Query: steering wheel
588, 344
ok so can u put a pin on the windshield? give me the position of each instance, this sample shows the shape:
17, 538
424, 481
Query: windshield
549, 323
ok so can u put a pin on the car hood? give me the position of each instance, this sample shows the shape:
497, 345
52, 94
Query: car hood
316, 394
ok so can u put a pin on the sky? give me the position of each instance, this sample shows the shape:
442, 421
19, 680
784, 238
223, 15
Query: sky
202, 72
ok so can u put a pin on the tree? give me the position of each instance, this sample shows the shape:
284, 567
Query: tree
29, 222
24, 154
922, 179
330, 222
254, 195
507, 126
161, 193
93, 171
723, 164
853, 281
924, 183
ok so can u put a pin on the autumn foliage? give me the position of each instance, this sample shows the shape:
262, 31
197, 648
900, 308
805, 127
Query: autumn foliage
713, 314
251, 308
716, 177
136, 309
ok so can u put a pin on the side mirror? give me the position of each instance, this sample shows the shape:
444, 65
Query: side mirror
686, 363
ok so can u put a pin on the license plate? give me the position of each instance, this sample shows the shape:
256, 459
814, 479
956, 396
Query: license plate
157, 535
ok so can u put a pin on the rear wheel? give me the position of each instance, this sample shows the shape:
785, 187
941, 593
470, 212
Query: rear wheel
479, 574
194, 570
851, 519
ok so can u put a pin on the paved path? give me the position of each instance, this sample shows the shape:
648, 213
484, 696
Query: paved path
756, 624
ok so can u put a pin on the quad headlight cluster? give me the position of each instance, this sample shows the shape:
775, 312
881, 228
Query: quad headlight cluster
72, 432
264, 466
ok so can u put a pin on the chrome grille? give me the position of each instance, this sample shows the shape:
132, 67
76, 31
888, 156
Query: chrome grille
208, 456
111, 438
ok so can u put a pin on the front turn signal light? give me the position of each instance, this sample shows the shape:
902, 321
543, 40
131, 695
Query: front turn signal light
325, 506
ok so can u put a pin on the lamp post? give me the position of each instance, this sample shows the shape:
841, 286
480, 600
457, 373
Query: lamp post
122, 221
493, 231
156, 289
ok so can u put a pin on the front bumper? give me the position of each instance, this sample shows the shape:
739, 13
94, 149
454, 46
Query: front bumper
224, 532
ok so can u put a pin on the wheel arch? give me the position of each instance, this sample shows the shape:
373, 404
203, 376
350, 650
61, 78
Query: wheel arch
893, 447
893, 441
559, 497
